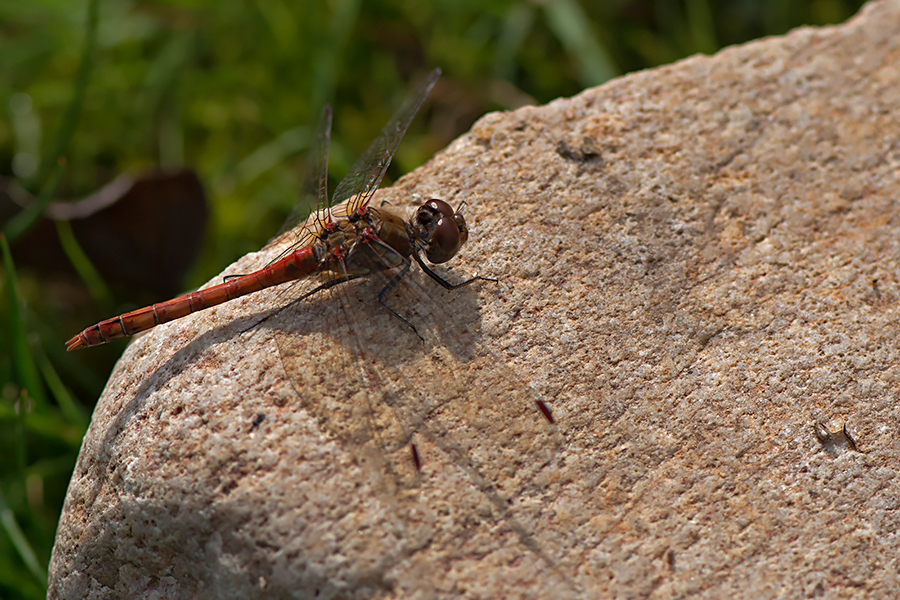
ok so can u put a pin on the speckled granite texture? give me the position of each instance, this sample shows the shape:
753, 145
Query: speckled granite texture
698, 272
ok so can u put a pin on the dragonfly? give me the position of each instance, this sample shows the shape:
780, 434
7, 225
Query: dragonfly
342, 240
347, 238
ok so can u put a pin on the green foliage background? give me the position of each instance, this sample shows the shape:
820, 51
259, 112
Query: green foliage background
231, 88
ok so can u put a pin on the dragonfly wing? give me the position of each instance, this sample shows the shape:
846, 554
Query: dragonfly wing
463, 397
325, 366
376, 387
443, 440
366, 175
314, 186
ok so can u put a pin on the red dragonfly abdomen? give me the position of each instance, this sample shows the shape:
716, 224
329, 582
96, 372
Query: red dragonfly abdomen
298, 264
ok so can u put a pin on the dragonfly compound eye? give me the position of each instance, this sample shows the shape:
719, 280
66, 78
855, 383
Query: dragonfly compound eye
444, 230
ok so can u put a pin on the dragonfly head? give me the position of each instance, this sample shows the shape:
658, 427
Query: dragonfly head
440, 230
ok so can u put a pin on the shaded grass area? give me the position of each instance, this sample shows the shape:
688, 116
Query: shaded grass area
231, 89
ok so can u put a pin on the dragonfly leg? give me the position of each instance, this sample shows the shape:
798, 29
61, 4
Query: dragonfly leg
330, 284
400, 275
324, 286
443, 282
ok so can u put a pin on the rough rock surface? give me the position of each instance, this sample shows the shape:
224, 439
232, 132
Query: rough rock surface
698, 271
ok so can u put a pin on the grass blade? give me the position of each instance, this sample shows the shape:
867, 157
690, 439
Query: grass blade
52, 163
23, 221
571, 26
83, 266
71, 410
22, 356
19, 542
81, 82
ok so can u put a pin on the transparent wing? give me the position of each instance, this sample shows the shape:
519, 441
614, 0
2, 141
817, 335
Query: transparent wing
451, 405
366, 175
314, 190
377, 388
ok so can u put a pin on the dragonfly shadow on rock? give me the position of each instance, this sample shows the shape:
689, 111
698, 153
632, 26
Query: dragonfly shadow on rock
383, 393
378, 388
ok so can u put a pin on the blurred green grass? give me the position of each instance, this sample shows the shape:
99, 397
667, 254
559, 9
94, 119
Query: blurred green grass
231, 89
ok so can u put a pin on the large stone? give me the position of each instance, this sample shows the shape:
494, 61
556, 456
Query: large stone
698, 272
